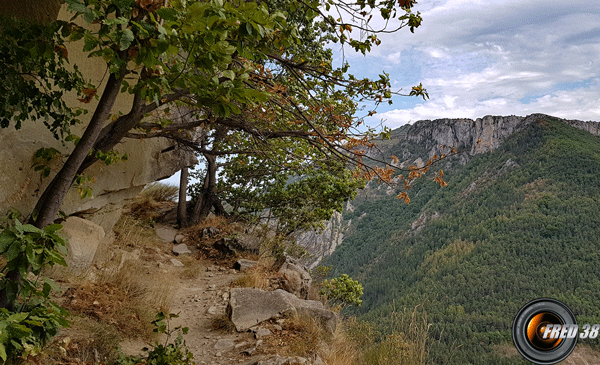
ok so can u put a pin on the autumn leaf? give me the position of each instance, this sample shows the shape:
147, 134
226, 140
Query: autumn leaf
404, 196
61, 50
89, 93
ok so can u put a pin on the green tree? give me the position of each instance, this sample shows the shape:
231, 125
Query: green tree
256, 70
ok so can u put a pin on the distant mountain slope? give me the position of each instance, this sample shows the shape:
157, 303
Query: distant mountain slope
518, 221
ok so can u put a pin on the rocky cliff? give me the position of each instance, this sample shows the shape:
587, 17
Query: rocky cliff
416, 143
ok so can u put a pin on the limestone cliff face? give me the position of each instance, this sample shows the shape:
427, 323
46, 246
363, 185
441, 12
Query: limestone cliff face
321, 244
414, 144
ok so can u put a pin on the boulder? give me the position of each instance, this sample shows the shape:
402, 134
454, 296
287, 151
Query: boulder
248, 307
295, 279
83, 238
244, 265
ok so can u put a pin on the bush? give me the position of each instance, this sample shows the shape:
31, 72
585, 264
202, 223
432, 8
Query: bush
342, 290
175, 353
31, 319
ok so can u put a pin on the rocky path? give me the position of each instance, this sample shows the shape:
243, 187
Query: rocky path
202, 301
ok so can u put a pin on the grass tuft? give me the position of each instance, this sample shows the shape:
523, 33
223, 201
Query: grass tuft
222, 323
160, 192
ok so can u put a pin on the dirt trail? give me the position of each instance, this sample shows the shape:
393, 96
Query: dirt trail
198, 302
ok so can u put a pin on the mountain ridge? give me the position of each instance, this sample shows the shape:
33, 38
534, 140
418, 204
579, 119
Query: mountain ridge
415, 143
470, 254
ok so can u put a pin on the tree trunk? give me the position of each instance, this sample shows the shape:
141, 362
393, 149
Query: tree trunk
182, 204
207, 198
49, 203
114, 132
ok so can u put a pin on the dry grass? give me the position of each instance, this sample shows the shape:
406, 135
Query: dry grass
134, 233
222, 323
260, 277
148, 204
191, 270
154, 290
407, 345
342, 349
160, 192
86, 342
310, 334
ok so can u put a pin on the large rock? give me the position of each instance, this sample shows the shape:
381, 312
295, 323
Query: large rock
248, 307
295, 279
83, 237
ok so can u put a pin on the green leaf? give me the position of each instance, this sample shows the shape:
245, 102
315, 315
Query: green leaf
13, 251
167, 13
31, 229
117, 21
3, 352
229, 74
17, 317
126, 39
46, 290
89, 42
6, 238
52, 228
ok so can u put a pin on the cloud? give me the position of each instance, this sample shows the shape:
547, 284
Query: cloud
581, 103
497, 57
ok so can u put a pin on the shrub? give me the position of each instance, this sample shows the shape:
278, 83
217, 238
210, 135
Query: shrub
342, 290
175, 353
31, 319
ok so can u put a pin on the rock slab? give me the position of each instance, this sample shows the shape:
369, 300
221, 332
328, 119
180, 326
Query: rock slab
181, 249
248, 307
83, 237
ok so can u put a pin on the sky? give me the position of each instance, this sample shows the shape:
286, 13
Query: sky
492, 57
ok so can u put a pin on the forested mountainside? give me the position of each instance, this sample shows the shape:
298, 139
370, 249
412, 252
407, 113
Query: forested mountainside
519, 221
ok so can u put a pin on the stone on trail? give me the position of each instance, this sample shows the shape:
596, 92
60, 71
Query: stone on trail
248, 307
224, 344
244, 265
177, 263
166, 234
181, 249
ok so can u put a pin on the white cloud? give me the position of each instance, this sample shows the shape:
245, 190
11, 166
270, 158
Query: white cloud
570, 104
499, 57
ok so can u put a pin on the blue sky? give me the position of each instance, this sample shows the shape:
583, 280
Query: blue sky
492, 57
